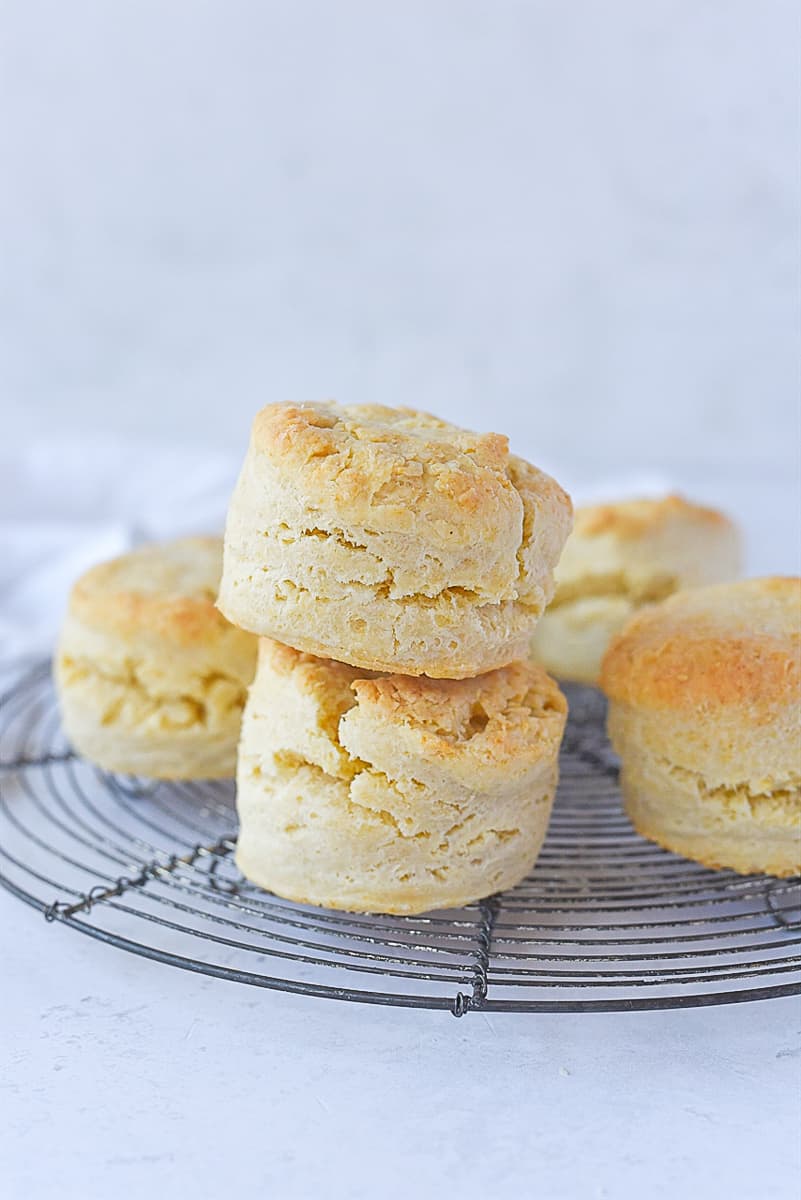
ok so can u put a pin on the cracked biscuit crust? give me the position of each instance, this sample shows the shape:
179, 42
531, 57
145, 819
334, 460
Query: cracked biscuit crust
619, 558
705, 712
393, 794
390, 539
152, 679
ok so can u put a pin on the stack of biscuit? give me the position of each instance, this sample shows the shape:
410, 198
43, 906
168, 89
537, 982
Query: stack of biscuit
399, 750
368, 668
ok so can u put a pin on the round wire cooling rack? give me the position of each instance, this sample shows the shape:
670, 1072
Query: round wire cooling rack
605, 922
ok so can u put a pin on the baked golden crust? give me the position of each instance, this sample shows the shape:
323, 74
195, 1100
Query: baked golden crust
369, 459
619, 558
709, 648
389, 793
499, 707
448, 713
312, 672
152, 679
390, 540
633, 518
170, 589
705, 712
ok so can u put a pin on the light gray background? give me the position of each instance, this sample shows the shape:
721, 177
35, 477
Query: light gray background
573, 220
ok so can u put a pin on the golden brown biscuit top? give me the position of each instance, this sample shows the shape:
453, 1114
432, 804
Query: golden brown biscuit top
495, 712
168, 587
712, 647
394, 466
631, 519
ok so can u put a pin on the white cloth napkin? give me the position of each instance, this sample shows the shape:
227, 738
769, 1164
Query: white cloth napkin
67, 504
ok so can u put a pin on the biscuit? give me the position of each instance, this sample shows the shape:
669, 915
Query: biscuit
151, 677
392, 794
705, 705
390, 540
619, 558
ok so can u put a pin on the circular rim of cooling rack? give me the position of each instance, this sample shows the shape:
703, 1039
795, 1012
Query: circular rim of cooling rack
485, 934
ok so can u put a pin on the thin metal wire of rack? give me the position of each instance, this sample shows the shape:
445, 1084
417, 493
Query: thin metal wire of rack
605, 922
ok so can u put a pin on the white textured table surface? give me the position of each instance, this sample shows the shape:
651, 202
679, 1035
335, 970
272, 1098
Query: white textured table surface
126, 1078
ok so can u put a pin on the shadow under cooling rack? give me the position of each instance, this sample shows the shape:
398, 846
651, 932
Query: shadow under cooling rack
606, 921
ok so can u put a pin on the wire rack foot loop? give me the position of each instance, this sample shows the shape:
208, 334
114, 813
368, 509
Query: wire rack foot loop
489, 910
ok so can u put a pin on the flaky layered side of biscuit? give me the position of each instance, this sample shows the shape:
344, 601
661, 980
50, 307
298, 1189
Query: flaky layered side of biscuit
392, 794
151, 678
390, 540
705, 713
619, 558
